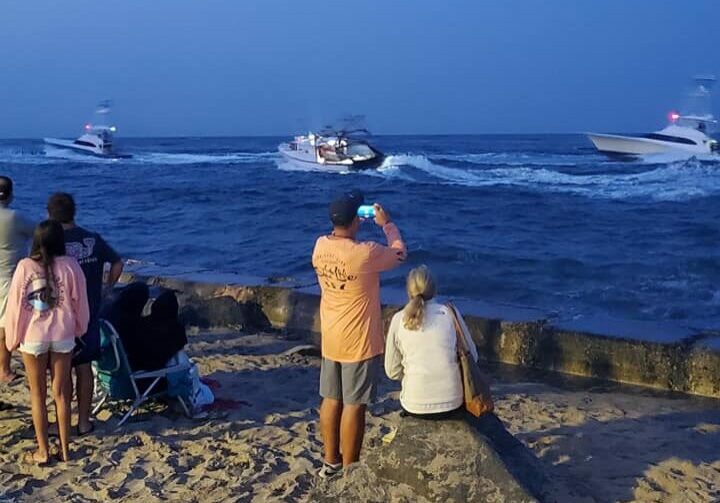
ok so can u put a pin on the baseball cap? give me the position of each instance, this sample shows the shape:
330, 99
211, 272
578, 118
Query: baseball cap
343, 209
6, 188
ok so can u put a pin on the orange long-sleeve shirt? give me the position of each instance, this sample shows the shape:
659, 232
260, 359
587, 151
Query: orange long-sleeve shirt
349, 275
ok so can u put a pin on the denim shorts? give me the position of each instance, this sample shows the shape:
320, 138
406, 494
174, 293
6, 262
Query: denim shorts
40, 348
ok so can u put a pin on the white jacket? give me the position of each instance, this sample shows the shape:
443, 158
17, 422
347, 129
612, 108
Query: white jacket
426, 361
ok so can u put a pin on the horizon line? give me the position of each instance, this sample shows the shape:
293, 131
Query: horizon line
134, 137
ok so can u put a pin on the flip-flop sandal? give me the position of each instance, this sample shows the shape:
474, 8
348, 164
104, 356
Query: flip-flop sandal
15, 380
330, 470
211, 383
79, 433
29, 459
56, 455
53, 430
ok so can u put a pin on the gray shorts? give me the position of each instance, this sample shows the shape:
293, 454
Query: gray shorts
4, 290
351, 383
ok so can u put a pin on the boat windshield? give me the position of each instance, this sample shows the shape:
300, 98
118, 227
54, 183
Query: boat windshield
360, 150
669, 138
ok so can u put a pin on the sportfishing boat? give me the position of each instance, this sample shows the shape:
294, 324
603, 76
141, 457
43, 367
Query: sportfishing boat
332, 150
97, 139
685, 133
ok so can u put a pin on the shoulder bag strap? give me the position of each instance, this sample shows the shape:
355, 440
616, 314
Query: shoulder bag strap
461, 346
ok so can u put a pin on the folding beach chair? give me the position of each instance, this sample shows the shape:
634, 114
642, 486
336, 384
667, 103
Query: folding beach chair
117, 381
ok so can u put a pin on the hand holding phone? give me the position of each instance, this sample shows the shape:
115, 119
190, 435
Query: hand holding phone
366, 211
381, 216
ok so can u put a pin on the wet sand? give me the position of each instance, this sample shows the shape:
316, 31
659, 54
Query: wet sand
611, 443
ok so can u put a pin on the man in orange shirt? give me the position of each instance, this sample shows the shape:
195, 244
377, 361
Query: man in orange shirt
351, 324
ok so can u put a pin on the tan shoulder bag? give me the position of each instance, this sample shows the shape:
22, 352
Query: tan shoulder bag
478, 398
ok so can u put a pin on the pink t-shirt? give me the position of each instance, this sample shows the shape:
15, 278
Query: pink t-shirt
28, 319
349, 275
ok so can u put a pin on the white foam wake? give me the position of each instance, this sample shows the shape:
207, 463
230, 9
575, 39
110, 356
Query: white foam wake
24, 156
51, 155
666, 177
682, 180
56, 154
674, 157
189, 158
287, 165
422, 163
522, 159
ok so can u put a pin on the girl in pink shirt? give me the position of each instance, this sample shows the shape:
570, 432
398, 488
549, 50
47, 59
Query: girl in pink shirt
47, 308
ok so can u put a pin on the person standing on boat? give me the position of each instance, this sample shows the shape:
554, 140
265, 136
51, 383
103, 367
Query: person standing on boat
15, 234
92, 253
351, 324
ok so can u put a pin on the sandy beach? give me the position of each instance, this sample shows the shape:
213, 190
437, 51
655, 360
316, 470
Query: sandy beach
260, 443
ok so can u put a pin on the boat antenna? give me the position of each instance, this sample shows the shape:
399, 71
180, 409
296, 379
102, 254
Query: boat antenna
104, 107
699, 98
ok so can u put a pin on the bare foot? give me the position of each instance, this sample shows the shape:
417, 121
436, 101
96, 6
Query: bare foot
36, 458
9, 377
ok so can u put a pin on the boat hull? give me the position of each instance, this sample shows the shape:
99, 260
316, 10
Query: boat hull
70, 145
297, 157
628, 146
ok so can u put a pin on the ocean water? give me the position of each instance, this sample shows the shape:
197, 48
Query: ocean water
537, 221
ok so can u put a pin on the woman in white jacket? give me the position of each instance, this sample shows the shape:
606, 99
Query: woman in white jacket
421, 350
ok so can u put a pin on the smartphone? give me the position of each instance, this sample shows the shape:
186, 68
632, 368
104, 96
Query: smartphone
366, 211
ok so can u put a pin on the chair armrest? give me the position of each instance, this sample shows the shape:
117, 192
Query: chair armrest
113, 342
141, 374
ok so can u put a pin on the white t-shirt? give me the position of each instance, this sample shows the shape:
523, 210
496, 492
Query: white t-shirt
426, 361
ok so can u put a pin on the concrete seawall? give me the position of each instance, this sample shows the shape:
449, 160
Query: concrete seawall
688, 363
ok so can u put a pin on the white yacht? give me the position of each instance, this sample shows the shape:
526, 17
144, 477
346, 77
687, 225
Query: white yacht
332, 150
685, 133
97, 139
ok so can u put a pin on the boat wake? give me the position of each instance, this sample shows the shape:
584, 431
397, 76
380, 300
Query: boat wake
523, 159
53, 155
668, 177
674, 157
24, 155
287, 165
189, 158
661, 179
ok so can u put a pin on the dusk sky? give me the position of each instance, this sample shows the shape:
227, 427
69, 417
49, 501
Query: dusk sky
182, 67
